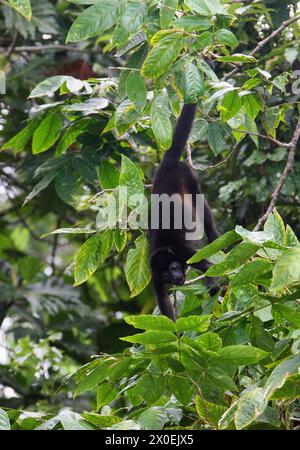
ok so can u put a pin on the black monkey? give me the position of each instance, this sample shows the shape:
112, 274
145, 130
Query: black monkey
169, 248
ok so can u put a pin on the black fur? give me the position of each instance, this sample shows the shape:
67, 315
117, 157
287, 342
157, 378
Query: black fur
169, 249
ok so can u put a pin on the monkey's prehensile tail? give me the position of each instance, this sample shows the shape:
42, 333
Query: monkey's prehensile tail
181, 133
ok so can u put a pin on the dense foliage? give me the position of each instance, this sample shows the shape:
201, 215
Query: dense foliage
93, 90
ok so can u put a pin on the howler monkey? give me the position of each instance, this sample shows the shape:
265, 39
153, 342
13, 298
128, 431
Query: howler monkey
169, 248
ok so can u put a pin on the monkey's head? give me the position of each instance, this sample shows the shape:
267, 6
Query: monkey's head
166, 266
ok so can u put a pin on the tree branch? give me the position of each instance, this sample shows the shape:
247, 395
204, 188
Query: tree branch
265, 41
42, 48
282, 179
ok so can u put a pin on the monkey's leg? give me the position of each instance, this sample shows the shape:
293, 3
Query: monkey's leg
163, 300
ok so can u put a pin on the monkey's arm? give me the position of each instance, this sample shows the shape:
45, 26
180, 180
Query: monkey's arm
163, 299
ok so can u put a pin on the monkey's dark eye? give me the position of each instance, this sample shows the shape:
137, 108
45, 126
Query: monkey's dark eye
174, 266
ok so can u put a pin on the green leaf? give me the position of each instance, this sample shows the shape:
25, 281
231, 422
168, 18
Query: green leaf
92, 253
133, 16
286, 271
237, 58
290, 389
231, 105
108, 175
130, 178
210, 412
281, 373
216, 136
167, 12
162, 55
150, 387
71, 231
47, 133
147, 322
73, 421
105, 394
181, 388
153, 337
226, 37
101, 421
256, 237
193, 23
206, 7
67, 185
190, 323
4, 420
90, 106
136, 89
94, 20
241, 354
94, 377
281, 313
275, 226
137, 268
40, 186
291, 238
252, 104
193, 84
126, 116
23, 7
48, 86
70, 135
210, 342
160, 121
250, 406
21, 139
251, 272
120, 239
153, 418
237, 256
220, 243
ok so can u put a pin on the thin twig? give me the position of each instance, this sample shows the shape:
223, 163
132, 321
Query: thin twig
284, 175
42, 48
267, 137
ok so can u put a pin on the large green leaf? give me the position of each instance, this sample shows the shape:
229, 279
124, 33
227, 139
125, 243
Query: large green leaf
137, 268
153, 418
197, 323
92, 253
130, 178
220, 243
286, 270
251, 272
94, 20
210, 412
73, 421
167, 12
150, 387
47, 133
162, 55
181, 388
241, 354
147, 322
234, 259
250, 406
133, 16
193, 85
136, 89
281, 372
23, 7
153, 337
160, 121
206, 7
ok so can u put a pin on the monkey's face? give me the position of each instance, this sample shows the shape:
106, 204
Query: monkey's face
174, 274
